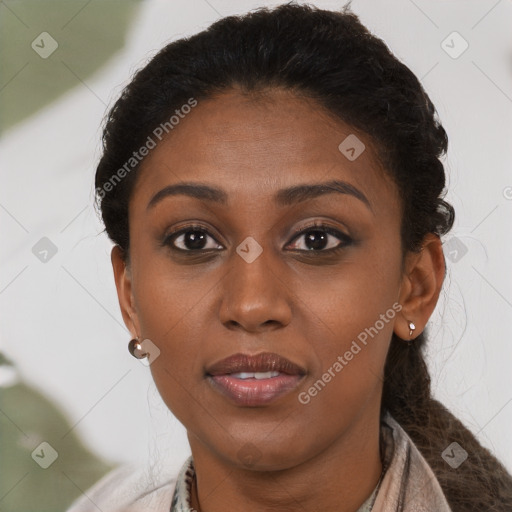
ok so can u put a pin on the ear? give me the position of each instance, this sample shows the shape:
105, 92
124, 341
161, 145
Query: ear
123, 279
421, 285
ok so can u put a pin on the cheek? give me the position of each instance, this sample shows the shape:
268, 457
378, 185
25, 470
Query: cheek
167, 295
170, 307
349, 369
170, 312
349, 362
356, 310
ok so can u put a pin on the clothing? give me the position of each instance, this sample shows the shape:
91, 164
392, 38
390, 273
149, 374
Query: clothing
408, 484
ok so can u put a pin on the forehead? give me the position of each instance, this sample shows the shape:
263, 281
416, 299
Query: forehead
253, 144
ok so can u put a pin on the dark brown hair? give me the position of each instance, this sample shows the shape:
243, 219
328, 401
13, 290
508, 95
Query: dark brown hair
332, 58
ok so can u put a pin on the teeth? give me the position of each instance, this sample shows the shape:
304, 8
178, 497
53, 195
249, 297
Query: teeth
254, 375
265, 375
243, 375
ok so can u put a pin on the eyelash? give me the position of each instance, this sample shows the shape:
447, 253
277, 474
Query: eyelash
345, 240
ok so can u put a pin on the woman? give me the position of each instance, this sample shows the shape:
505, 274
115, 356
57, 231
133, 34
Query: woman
274, 192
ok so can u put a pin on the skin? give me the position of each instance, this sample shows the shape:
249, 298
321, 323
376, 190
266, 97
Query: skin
199, 309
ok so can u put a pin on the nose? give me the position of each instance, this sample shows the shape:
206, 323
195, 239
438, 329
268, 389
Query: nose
255, 295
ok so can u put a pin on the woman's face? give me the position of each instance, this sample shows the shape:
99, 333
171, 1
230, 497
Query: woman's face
246, 274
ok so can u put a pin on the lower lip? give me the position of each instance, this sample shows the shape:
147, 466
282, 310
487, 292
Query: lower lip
254, 392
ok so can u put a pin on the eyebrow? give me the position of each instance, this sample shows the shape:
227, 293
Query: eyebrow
284, 197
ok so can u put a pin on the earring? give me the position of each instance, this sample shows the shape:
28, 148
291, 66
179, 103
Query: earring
136, 349
411, 330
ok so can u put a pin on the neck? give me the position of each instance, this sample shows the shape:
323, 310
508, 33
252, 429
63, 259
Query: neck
340, 479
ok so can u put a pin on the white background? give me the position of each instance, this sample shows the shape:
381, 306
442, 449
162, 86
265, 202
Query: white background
60, 320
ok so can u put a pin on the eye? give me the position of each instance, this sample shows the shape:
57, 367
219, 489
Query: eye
192, 238
321, 238
316, 238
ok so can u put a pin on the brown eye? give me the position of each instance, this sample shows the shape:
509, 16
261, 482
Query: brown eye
192, 239
321, 238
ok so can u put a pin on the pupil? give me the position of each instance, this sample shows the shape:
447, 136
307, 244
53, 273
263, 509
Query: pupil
194, 239
318, 240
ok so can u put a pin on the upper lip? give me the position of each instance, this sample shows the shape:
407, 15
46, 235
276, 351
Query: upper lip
264, 362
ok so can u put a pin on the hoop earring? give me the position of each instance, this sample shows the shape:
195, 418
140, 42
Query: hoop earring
136, 349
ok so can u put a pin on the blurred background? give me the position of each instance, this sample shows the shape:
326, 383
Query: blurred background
73, 403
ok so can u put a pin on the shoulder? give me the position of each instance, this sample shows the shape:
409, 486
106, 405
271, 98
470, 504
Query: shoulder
130, 488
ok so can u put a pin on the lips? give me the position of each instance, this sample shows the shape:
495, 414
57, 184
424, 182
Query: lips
254, 380
265, 362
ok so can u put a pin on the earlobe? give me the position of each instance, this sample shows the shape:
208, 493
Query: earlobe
421, 286
122, 277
